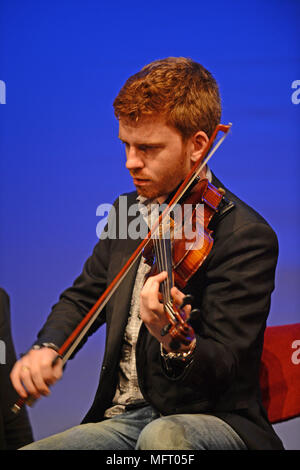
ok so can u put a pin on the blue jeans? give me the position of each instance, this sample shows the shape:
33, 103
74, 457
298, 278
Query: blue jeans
146, 429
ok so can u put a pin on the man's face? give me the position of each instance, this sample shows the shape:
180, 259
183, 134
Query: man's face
157, 158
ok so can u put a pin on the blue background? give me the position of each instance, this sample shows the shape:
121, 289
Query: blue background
63, 62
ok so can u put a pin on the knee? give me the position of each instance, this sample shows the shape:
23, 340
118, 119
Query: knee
162, 434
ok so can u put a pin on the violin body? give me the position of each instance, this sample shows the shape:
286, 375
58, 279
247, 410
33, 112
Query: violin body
190, 253
191, 249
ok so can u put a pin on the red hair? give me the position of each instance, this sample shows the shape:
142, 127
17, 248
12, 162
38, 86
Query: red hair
176, 88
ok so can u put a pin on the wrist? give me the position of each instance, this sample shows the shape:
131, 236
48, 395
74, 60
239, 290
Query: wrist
53, 346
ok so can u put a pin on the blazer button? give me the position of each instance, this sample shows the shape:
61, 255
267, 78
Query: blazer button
104, 368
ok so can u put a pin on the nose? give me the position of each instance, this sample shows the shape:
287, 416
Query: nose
134, 159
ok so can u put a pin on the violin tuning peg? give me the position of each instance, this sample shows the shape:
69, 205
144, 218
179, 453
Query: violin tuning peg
188, 300
194, 315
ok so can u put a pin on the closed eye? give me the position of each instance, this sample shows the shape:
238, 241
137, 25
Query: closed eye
144, 147
150, 147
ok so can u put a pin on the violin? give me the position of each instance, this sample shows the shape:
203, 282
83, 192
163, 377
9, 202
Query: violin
165, 253
182, 255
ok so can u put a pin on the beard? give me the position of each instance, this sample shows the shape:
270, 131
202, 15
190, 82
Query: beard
165, 182
161, 189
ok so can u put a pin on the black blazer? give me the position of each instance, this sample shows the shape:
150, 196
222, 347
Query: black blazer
232, 289
15, 430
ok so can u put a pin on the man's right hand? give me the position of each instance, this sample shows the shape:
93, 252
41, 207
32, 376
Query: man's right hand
32, 374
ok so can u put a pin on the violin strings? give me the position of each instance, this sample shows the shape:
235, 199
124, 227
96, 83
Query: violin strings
88, 325
163, 251
160, 259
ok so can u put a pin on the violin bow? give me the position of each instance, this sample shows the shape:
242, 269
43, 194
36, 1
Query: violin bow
71, 343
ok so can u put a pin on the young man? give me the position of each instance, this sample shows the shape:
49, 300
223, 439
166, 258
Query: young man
206, 396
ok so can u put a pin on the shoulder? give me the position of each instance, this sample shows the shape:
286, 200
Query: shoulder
242, 214
130, 198
243, 223
124, 201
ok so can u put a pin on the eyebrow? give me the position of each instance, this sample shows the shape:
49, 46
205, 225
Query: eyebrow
146, 144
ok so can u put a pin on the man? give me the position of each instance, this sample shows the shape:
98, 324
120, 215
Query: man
204, 395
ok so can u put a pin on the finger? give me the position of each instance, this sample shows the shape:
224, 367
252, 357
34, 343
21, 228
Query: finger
57, 368
177, 295
27, 381
178, 298
47, 371
150, 293
155, 281
40, 381
16, 381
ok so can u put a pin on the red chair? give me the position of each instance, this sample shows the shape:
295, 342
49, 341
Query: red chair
280, 372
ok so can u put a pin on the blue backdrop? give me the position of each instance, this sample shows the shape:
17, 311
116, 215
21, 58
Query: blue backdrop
62, 63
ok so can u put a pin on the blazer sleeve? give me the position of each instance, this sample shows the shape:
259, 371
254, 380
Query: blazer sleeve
236, 287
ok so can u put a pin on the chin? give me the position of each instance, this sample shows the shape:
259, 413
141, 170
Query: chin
148, 194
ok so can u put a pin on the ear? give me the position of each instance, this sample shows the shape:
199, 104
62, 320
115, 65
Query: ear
198, 144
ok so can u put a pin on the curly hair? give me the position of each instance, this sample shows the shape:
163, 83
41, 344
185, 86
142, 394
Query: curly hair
180, 90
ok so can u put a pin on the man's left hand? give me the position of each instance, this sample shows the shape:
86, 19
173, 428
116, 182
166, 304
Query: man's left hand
152, 310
